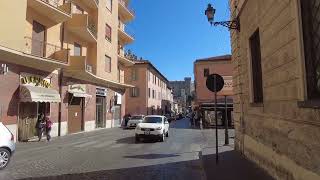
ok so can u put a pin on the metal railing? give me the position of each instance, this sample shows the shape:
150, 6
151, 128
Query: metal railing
124, 28
92, 27
124, 3
58, 4
45, 50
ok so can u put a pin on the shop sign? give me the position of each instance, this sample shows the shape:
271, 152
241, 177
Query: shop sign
77, 88
35, 80
101, 92
227, 83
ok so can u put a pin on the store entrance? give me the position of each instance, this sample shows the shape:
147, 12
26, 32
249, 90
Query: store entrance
28, 117
75, 114
100, 112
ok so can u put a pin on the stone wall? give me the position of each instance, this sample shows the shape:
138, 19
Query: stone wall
278, 135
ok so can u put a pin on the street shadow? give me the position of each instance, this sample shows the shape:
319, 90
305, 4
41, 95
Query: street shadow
152, 156
183, 170
131, 140
232, 165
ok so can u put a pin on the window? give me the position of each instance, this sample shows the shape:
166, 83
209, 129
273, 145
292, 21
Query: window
206, 72
134, 74
134, 92
310, 14
153, 94
77, 51
108, 63
256, 67
109, 5
108, 33
149, 92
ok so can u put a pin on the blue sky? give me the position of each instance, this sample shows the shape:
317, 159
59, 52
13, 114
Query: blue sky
172, 34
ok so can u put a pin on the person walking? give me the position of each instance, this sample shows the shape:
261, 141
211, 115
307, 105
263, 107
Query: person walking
48, 128
40, 125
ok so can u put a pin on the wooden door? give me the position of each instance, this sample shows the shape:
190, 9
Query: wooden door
27, 121
38, 39
75, 114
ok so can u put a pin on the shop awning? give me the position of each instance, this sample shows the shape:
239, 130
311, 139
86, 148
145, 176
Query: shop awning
38, 94
81, 95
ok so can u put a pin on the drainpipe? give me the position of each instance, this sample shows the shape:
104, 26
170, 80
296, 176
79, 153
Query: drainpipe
60, 83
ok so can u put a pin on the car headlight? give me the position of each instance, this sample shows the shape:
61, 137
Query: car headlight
159, 128
138, 128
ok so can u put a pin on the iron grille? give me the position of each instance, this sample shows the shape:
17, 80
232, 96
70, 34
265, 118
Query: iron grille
311, 33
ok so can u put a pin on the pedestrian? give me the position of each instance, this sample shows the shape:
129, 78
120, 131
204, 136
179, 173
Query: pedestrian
48, 128
40, 125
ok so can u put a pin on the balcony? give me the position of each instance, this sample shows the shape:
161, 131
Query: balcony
92, 4
83, 26
55, 10
46, 50
123, 59
124, 36
79, 63
125, 12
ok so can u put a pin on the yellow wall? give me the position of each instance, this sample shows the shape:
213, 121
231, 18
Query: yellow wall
104, 46
12, 26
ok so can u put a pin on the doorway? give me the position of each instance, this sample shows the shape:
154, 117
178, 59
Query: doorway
100, 112
38, 39
28, 112
75, 114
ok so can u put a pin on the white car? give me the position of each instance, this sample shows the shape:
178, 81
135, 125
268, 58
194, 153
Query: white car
134, 121
7, 146
153, 127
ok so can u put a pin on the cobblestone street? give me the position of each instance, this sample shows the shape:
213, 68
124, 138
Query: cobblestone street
113, 154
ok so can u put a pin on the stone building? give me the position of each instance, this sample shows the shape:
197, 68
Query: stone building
276, 57
182, 92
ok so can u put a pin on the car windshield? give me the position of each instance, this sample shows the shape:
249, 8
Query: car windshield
152, 120
136, 117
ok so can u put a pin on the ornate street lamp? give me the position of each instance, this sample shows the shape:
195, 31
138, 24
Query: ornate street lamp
210, 12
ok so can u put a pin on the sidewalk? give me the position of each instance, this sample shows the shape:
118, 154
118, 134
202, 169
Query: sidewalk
232, 165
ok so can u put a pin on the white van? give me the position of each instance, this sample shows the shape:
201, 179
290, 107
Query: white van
7, 146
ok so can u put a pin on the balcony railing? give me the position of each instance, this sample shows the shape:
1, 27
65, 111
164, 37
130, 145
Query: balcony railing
46, 50
92, 27
59, 5
124, 3
124, 28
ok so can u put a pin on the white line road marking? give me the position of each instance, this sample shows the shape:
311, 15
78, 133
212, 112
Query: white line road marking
104, 144
85, 144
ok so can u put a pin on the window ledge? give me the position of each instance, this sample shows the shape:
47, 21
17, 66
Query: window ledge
256, 104
314, 104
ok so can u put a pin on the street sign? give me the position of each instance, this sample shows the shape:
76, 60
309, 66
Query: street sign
215, 82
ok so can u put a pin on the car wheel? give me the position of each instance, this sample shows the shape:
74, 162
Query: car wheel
4, 158
137, 139
162, 137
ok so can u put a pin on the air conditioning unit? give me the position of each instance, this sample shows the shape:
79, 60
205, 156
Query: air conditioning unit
89, 68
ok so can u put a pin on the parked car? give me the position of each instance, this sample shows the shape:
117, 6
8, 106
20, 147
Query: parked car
134, 121
7, 146
153, 126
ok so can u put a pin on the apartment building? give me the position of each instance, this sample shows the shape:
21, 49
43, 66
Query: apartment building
276, 84
182, 93
61, 58
150, 94
204, 99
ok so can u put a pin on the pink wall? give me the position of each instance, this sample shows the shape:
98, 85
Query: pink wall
222, 67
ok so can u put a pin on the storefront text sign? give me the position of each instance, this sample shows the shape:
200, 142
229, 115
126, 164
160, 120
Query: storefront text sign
77, 88
35, 80
101, 92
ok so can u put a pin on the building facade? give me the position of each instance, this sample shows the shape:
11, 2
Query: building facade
61, 58
150, 94
276, 62
204, 99
182, 92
